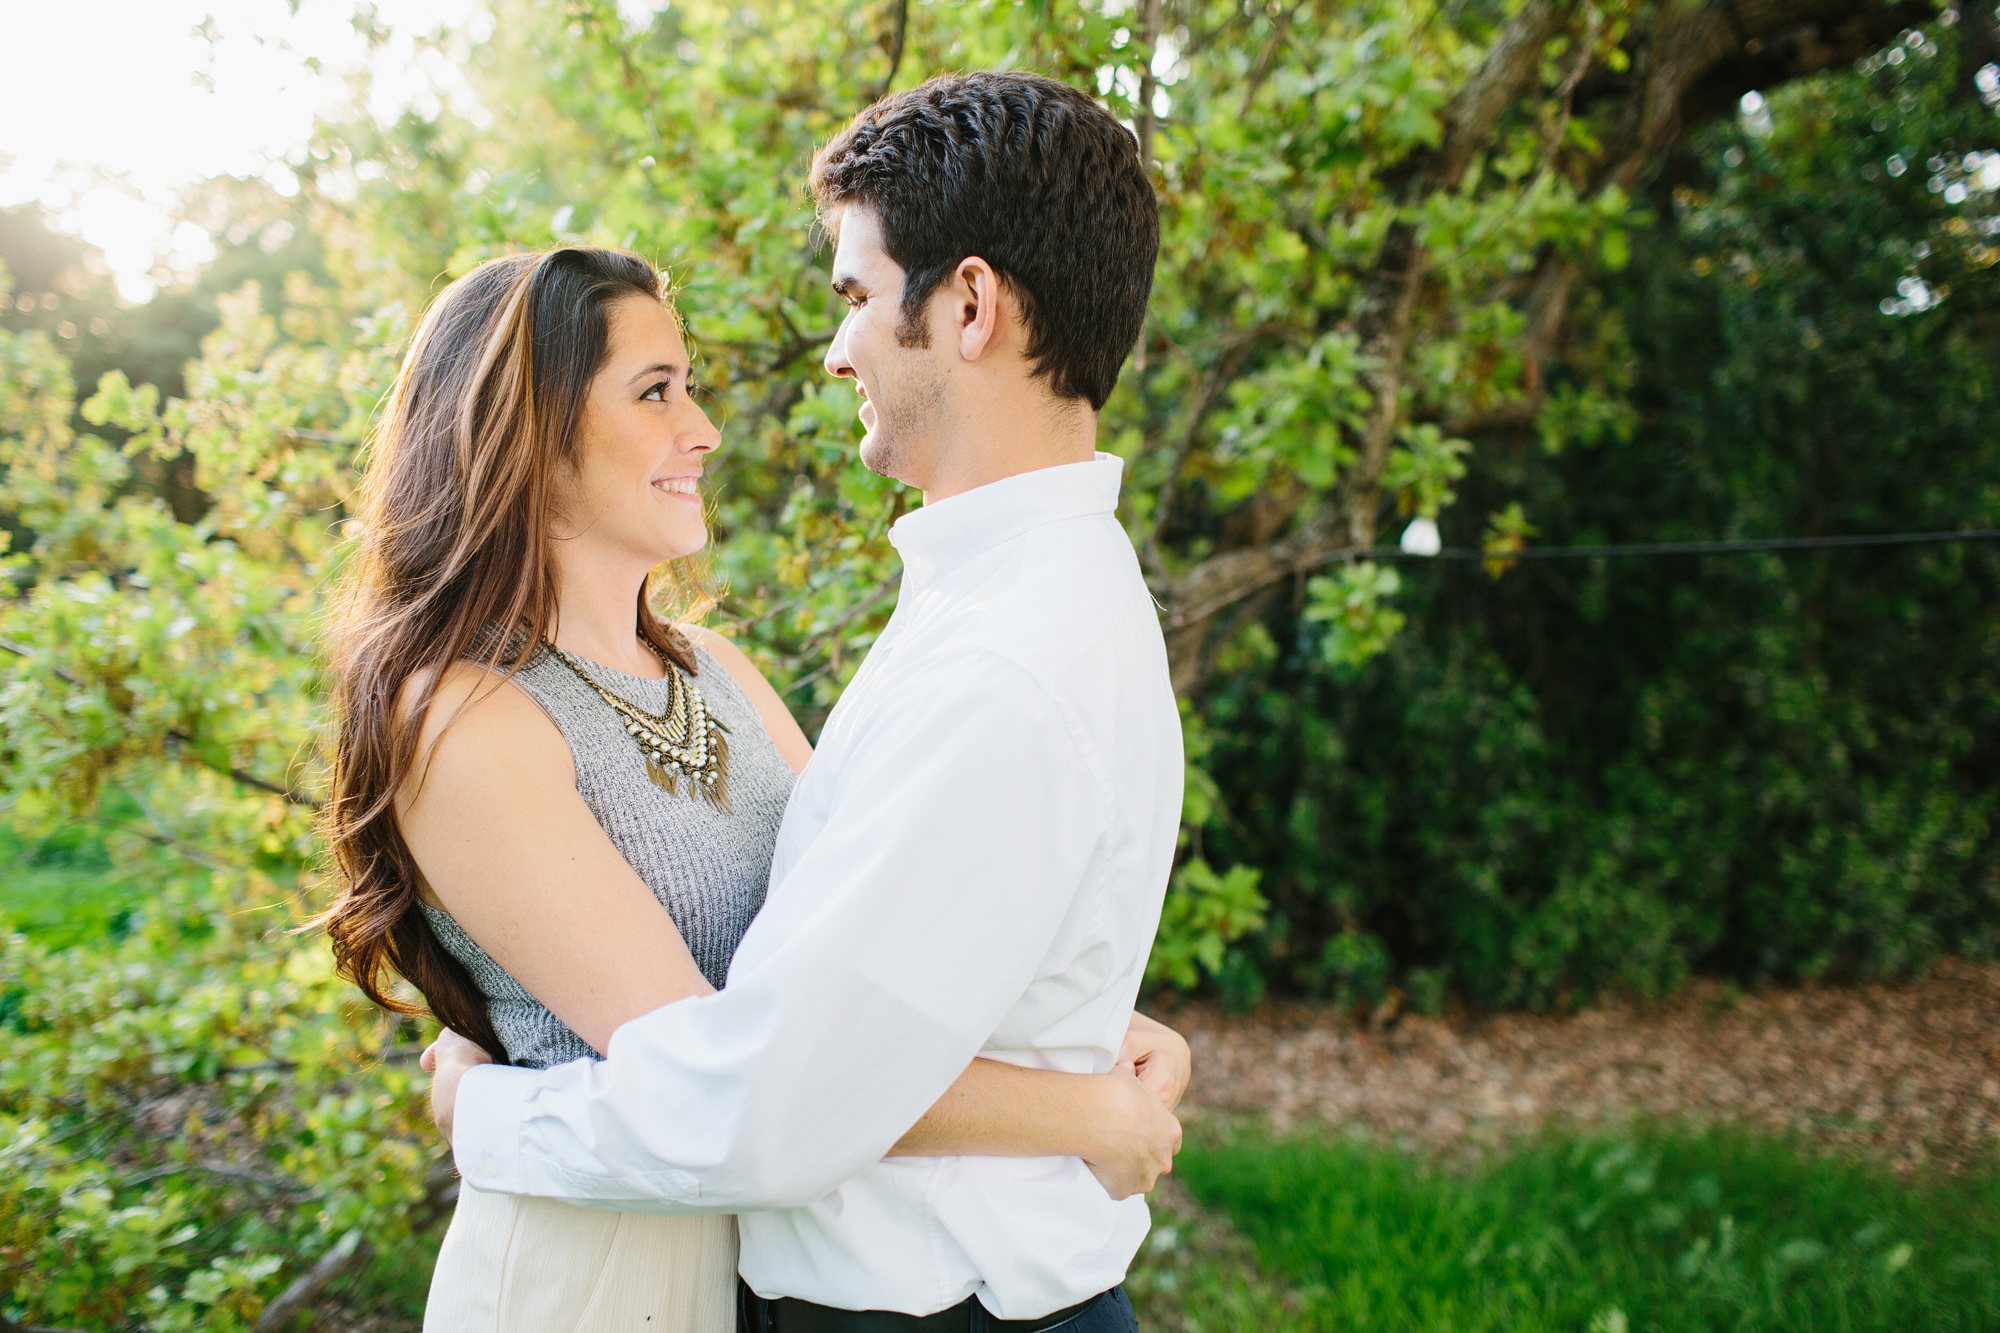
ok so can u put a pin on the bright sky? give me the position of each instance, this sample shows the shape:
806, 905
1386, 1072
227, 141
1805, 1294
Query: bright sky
107, 105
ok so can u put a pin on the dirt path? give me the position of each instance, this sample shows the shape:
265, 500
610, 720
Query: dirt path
1910, 1071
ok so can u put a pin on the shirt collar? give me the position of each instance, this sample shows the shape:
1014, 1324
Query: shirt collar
939, 537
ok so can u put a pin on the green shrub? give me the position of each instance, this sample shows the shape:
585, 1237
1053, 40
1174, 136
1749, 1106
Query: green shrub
1604, 775
191, 1115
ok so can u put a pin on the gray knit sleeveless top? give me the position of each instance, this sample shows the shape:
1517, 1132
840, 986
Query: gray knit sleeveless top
707, 868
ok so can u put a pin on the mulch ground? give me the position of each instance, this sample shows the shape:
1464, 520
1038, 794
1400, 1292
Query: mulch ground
1909, 1072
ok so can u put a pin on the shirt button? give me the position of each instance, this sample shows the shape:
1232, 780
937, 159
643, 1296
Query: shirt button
489, 1167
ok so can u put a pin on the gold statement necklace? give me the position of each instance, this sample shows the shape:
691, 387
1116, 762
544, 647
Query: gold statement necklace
685, 744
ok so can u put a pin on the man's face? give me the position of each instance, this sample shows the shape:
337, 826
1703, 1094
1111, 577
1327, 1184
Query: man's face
904, 381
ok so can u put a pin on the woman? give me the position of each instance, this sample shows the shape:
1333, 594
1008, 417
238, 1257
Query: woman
554, 811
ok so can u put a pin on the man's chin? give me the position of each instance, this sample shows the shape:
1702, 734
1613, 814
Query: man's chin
881, 457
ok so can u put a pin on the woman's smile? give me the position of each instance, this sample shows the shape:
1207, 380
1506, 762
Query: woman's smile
679, 486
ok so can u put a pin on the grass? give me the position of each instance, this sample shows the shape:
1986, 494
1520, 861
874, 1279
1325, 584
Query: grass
62, 887
1647, 1230
89, 879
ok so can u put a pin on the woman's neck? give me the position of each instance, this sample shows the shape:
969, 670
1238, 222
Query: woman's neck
596, 613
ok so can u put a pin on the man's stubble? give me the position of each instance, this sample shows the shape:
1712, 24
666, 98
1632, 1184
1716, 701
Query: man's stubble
909, 418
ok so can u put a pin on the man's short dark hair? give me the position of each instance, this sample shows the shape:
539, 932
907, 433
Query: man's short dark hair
1033, 177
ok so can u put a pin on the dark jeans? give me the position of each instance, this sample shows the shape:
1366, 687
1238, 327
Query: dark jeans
1111, 1314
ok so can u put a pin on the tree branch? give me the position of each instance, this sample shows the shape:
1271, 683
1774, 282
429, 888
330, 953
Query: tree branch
1511, 63
1147, 85
832, 632
897, 32
1233, 347
282, 1189
1389, 306
350, 1251
1280, 36
1346, 519
178, 737
1694, 61
1698, 63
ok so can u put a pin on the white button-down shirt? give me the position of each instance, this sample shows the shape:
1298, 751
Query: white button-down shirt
972, 864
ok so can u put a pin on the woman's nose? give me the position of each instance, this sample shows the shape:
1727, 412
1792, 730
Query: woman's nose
703, 435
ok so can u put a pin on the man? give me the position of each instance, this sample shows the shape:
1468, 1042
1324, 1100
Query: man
974, 860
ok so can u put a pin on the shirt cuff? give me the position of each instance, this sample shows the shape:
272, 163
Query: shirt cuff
487, 1126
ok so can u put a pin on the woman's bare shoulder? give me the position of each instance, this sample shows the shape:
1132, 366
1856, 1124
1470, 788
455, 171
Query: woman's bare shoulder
479, 711
487, 757
732, 659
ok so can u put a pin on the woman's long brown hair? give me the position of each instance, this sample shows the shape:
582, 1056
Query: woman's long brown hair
457, 503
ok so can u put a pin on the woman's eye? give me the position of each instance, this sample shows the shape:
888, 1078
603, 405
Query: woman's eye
656, 394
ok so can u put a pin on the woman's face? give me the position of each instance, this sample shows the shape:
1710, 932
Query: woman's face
636, 487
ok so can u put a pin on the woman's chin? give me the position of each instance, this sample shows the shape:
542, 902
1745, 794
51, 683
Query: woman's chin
682, 545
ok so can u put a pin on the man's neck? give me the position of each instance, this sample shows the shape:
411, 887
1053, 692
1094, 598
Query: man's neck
987, 452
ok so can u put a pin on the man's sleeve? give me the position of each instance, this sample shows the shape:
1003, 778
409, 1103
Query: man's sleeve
960, 834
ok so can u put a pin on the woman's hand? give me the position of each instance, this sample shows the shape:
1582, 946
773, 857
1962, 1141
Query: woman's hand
1159, 1057
446, 1061
1133, 1139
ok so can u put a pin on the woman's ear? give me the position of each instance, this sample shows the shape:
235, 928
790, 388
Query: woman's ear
564, 485
981, 294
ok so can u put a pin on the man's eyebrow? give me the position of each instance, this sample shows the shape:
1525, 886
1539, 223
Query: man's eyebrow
849, 285
667, 368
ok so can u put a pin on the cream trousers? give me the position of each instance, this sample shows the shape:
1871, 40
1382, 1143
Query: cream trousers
512, 1264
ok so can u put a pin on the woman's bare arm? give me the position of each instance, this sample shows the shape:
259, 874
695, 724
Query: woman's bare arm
1119, 1123
507, 846
1001, 1110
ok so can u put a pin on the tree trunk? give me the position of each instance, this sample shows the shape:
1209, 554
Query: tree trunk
1695, 61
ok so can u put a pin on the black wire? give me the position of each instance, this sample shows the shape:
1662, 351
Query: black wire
1690, 548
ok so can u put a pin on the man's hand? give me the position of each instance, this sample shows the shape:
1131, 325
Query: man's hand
1136, 1136
1159, 1057
446, 1061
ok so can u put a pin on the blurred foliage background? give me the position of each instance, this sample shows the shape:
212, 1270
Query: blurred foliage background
1551, 274
1609, 774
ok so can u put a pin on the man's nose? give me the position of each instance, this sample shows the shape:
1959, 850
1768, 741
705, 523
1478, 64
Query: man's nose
836, 353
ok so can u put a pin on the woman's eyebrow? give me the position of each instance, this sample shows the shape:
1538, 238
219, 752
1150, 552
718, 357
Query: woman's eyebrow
666, 368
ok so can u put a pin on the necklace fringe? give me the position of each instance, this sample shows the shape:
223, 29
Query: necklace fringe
686, 746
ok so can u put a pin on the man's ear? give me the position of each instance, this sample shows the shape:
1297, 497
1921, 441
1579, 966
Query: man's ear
979, 316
